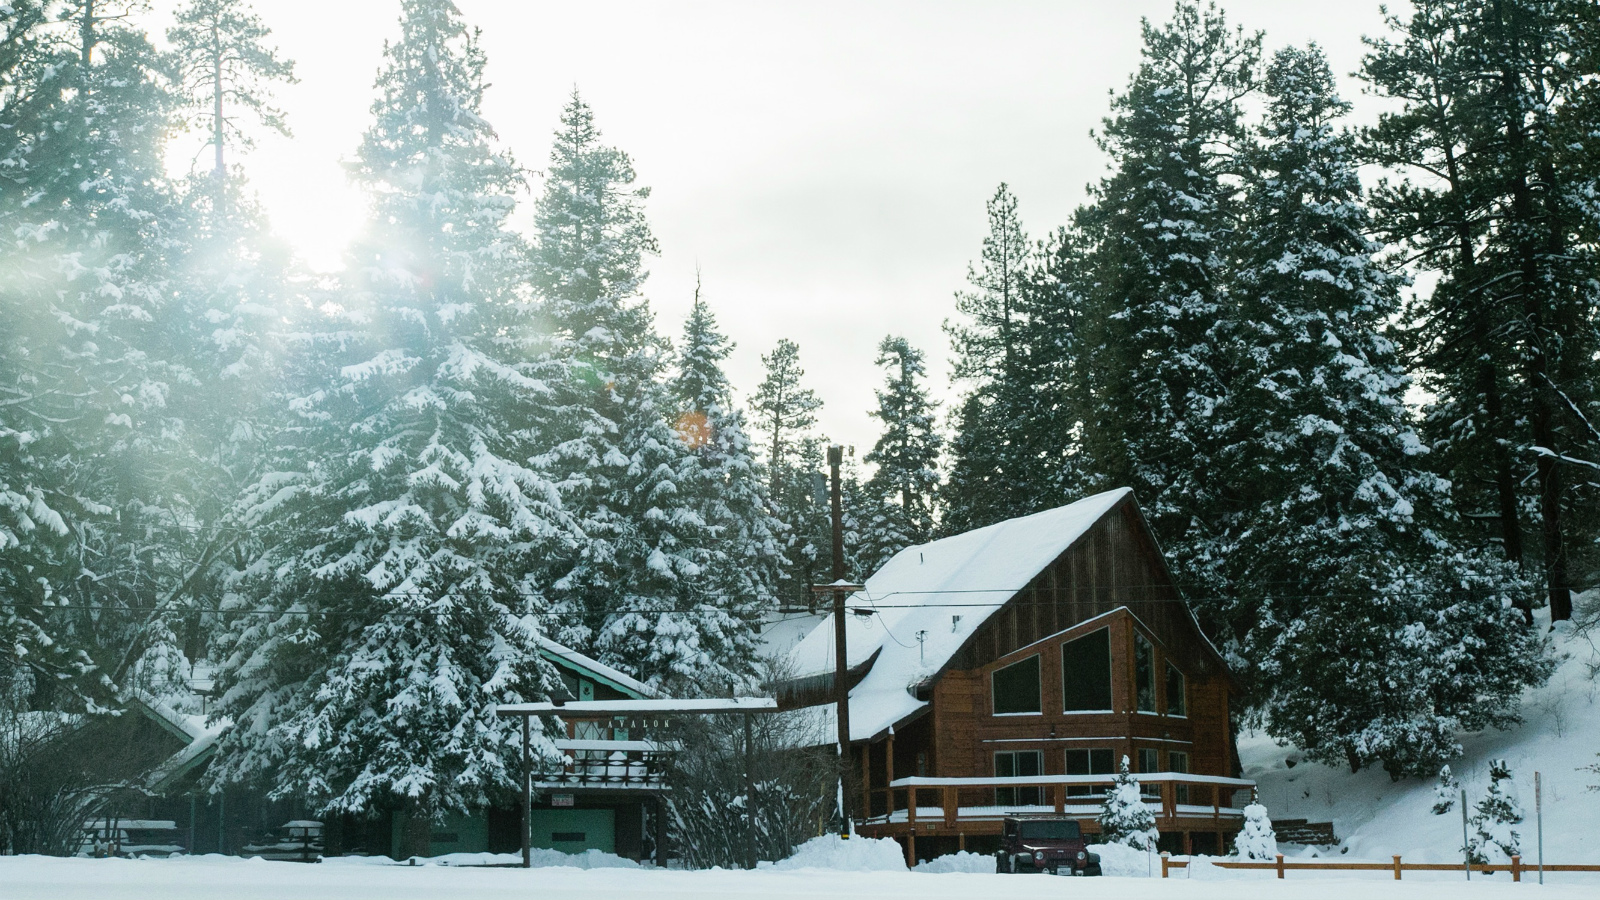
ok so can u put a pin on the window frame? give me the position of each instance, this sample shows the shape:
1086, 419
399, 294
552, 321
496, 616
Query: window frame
1014, 795
1038, 664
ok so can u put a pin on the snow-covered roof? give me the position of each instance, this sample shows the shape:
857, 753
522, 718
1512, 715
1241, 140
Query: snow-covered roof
621, 680
944, 590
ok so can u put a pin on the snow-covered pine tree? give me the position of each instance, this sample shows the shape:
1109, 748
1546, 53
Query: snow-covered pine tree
85, 205
726, 488
1331, 537
1124, 819
784, 412
1493, 839
1493, 116
1158, 232
633, 592
1256, 840
396, 601
994, 470
1445, 791
901, 496
232, 291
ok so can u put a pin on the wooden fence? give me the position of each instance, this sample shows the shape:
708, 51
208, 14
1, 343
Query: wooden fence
1516, 867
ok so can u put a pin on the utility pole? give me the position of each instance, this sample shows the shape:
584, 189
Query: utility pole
841, 659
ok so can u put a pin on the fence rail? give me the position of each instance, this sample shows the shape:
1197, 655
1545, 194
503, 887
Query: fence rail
1516, 867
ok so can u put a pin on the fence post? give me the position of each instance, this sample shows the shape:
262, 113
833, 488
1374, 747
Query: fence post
1280, 865
1397, 868
1166, 861
1516, 868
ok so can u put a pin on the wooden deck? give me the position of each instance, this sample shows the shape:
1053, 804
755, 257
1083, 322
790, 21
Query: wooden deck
971, 807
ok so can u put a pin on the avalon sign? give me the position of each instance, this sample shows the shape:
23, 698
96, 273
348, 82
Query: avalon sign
560, 799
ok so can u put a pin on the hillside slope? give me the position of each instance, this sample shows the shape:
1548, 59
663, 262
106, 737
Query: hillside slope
1375, 818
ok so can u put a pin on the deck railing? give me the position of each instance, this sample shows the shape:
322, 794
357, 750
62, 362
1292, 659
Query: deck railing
1171, 796
633, 765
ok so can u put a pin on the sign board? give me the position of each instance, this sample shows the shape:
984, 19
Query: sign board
560, 799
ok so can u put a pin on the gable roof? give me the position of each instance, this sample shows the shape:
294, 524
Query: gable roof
570, 659
943, 590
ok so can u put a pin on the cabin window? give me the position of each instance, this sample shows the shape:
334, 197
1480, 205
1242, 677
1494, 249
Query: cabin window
1086, 672
1178, 763
1016, 688
1149, 764
1018, 764
1144, 673
1177, 703
1094, 761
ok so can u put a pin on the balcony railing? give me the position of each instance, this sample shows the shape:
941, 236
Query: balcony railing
607, 764
1173, 797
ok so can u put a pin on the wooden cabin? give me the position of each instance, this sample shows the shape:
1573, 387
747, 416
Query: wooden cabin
1012, 668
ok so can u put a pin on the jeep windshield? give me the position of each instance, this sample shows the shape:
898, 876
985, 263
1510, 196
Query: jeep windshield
1049, 831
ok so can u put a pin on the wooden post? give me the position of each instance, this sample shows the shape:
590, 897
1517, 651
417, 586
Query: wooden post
661, 831
951, 801
527, 798
1166, 862
1058, 795
866, 780
749, 794
841, 666
1280, 865
1516, 868
1397, 868
961, 841
911, 848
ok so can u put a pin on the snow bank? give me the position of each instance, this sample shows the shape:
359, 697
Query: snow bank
1122, 861
588, 859
963, 861
858, 854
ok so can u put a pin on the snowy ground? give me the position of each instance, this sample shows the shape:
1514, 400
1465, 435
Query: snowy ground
1375, 818
42, 878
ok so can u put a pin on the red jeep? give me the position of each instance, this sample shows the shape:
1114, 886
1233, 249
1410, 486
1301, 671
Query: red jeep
1044, 843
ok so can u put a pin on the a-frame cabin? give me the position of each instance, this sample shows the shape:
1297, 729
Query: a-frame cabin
1012, 667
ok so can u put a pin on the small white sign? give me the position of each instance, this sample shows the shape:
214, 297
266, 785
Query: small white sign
560, 799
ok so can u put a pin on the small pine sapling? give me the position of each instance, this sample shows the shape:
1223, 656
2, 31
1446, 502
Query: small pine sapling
1124, 819
1444, 792
1492, 818
1257, 840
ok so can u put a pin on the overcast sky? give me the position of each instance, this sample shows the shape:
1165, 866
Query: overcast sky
825, 165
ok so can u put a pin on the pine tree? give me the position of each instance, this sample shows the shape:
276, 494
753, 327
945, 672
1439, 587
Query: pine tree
784, 413
1493, 840
1445, 791
396, 601
994, 469
1159, 232
901, 496
1256, 839
226, 66
728, 491
1124, 819
634, 592
1335, 537
1509, 334
86, 206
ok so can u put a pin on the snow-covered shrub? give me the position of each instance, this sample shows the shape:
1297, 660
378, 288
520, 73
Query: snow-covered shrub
1256, 840
1444, 792
1493, 840
1124, 819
